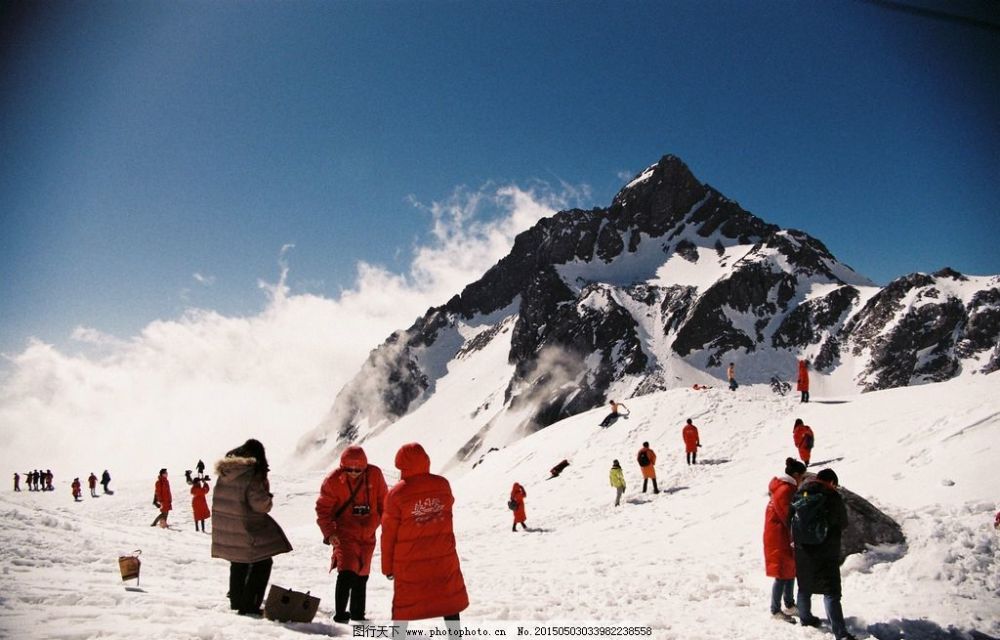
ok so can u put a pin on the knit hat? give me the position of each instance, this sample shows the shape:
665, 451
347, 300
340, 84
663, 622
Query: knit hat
615, 464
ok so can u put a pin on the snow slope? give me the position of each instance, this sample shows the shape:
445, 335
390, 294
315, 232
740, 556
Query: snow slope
687, 562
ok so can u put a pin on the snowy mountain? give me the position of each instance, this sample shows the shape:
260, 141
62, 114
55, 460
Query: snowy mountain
686, 563
660, 290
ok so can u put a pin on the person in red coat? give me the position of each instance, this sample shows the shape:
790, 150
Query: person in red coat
348, 511
75, 486
199, 504
162, 499
804, 439
92, 483
803, 381
518, 494
691, 442
418, 545
779, 556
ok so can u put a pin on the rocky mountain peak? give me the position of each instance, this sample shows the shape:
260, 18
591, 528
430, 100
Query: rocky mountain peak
673, 279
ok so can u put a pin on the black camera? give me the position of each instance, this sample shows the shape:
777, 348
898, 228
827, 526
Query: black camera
361, 509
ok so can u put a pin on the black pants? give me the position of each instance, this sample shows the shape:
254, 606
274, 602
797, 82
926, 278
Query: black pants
645, 482
351, 588
247, 583
805, 396
692, 457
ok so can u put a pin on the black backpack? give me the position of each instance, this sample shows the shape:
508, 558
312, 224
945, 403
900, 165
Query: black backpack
808, 441
810, 522
643, 459
512, 505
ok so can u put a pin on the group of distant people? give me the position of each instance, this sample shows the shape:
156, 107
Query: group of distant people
42, 481
646, 459
163, 498
801, 381
36, 480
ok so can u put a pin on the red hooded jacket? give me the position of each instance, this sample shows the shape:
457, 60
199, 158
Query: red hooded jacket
198, 502
518, 494
418, 541
351, 533
779, 556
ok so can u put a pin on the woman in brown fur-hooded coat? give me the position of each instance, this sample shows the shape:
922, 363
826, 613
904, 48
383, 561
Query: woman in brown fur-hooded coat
243, 533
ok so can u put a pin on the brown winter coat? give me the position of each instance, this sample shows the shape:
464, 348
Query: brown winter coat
243, 532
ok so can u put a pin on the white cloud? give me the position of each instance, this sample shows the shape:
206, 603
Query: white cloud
194, 386
205, 280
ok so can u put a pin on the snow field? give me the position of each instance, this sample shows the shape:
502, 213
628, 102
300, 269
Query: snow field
688, 562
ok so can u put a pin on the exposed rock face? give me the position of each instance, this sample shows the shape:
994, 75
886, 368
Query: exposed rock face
919, 329
673, 271
866, 526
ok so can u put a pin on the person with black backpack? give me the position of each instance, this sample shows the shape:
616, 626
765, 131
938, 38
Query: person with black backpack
818, 517
647, 464
804, 439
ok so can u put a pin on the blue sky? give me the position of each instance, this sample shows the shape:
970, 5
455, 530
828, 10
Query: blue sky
158, 155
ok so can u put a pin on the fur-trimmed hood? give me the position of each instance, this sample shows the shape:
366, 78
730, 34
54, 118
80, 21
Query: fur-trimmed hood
234, 465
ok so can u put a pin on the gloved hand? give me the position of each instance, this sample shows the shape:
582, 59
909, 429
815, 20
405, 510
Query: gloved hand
388, 576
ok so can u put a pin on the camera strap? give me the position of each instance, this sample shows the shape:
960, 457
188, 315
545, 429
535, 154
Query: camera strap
350, 500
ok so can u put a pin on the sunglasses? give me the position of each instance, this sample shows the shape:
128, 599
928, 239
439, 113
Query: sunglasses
353, 470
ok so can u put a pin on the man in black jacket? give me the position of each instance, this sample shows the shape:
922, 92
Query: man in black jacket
817, 564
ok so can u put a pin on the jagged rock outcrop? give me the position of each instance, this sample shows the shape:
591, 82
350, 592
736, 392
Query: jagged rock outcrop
866, 526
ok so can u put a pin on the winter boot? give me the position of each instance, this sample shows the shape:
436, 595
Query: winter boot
359, 594
656, 489
342, 595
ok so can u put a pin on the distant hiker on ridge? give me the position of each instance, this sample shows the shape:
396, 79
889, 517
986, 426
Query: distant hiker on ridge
779, 556
803, 381
731, 374
201, 469
517, 496
802, 436
92, 483
105, 481
647, 461
76, 489
349, 511
17, 481
691, 442
611, 417
617, 481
